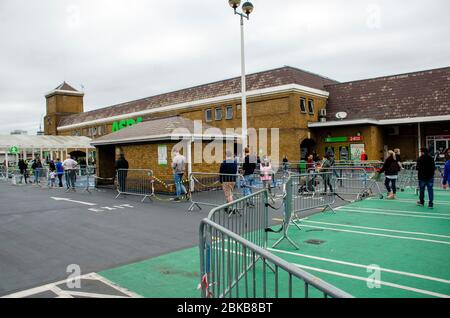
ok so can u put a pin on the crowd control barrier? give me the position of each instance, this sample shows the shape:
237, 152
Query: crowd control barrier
306, 192
355, 182
203, 184
234, 267
138, 182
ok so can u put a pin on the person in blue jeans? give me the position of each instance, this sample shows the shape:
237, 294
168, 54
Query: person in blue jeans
59, 171
446, 175
179, 168
426, 169
248, 169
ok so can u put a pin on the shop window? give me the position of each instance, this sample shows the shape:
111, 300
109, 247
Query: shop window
303, 105
208, 115
311, 106
229, 112
218, 114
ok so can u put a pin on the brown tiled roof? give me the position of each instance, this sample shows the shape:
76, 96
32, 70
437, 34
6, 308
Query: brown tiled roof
418, 94
266, 79
150, 129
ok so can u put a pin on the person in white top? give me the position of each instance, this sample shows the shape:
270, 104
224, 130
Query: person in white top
70, 167
179, 168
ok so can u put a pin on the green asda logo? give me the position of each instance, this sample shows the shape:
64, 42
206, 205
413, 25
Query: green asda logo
118, 125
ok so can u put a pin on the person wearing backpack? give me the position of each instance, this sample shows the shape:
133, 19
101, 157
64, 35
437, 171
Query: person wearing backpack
391, 169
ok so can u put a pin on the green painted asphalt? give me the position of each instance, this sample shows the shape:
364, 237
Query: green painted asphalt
410, 244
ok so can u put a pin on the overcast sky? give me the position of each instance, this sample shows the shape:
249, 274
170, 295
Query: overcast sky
124, 50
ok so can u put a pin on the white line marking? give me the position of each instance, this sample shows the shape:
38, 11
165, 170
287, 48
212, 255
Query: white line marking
74, 201
376, 234
412, 200
445, 281
420, 291
379, 229
397, 214
393, 210
67, 294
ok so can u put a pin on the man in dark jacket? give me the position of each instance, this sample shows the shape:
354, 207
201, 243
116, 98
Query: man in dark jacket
122, 172
228, 172
426, 168
248, 170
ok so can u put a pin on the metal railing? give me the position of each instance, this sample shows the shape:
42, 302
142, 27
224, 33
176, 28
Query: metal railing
306, 192
202, 184
358, 182
247, 217
234, 267
138, 182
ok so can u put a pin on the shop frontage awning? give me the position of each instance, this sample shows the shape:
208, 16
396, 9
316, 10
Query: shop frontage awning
43, 142
163, 129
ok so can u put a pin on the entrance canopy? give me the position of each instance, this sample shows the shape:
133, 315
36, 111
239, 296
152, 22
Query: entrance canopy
43, 142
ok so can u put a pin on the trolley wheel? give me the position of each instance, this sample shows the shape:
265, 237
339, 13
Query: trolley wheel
381, 197
403, 190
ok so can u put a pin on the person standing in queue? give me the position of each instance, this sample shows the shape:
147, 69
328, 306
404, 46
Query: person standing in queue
391, 169
446, 174
228, 173
248, 168
59, 171
179, 169
23, 168
122, 172
70, 168
425, 172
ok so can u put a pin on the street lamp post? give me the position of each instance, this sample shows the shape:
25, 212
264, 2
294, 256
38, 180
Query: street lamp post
247, 9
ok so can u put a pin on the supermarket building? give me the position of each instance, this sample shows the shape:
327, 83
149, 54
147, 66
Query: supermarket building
405, 111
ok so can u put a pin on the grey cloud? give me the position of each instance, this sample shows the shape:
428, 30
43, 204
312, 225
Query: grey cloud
123, 50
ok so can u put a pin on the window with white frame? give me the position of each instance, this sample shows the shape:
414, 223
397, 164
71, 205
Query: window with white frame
229, 112
218, 114
208, 115
303, 105
311, 106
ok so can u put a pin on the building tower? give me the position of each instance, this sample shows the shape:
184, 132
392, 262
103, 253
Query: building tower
62, 101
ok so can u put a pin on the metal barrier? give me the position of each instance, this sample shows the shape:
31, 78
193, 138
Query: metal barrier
247, 217
357, 182
303, 193
202, 182
234, 267
139, 182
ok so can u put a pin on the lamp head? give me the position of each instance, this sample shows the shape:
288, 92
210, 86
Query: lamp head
247, 7
234, 3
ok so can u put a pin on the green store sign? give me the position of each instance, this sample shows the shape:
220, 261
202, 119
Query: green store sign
336, 139
14, 150
118, 125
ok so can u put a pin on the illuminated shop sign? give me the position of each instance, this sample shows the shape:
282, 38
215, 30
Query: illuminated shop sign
118, 125
344, 139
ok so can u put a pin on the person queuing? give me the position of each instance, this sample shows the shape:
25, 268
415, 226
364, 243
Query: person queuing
325, 167
446, 174
23, 168
364, 156
37, 170
59, 172
70, 167
425, 173
122, 166
285, 163
179, 169
310, 163
390, 169
248, 171
398, 157
266, 173
228, 172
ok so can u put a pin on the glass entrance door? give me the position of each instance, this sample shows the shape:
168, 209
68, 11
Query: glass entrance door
440, 145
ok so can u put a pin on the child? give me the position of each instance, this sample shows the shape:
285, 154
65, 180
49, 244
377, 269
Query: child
266, 174
53, 175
